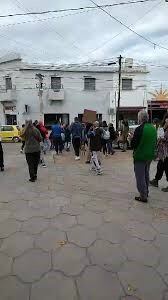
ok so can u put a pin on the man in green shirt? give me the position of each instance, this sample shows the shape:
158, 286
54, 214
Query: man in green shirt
144, 146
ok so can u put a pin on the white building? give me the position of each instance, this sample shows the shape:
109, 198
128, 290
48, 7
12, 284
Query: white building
66, 90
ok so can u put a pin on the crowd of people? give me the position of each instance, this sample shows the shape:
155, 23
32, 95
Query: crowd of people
149, 142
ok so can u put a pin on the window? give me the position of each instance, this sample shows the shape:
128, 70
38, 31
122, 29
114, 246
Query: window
8, 82
89, 84
126, 84
8, 128
55, 83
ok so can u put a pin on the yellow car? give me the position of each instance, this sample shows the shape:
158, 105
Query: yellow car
9, 133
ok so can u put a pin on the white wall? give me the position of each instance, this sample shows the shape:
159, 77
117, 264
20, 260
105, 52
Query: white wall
76, 98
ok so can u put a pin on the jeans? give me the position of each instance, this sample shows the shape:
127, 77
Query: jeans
23, 145
1, 157
76, 145
141, 169
95, 160
162, 167
58, 144
110, 147
33, 161
104, 143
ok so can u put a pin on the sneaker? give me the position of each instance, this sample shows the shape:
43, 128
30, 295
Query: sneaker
21, 151
77, 158
141, 199
165, 189
32, 180
44, 165
87, 162
99, 172
154, 182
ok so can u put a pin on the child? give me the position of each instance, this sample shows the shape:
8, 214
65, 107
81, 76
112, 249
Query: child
1, 157
95, 135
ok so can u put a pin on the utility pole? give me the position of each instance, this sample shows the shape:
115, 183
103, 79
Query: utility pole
40, 94
119, 91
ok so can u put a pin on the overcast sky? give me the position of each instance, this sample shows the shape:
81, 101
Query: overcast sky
86, 36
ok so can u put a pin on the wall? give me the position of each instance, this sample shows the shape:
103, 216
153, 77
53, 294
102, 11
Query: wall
76, 98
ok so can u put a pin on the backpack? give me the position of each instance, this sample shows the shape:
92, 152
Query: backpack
106, 134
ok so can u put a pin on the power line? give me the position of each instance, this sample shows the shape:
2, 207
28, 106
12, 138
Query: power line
126, 26
118, 34
74, 9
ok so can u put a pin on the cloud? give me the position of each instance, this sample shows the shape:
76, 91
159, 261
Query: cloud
73, 38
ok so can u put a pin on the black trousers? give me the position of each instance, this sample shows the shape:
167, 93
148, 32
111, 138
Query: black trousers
57, 144
33, 161
162, 167
23, 145
1, 157
76, 145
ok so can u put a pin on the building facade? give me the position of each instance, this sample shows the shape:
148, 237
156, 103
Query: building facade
50, 92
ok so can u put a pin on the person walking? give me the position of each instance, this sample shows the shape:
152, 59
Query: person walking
1, 157
76, 131
44, 132
67, 138
56, 135
124, 134
88, 152
112, 139
23, 140
105, 138
162, 153
32, 138
144, 146
95, 135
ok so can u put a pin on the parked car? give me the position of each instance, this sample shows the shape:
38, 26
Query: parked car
129, 138
10, 133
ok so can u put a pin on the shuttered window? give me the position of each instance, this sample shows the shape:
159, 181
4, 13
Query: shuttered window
8, 83
127, 84
55, 83
89, 84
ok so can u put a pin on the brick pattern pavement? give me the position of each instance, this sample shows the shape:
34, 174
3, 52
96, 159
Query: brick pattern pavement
76, 236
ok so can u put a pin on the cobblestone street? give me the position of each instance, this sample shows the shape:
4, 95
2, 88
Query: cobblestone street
76, 236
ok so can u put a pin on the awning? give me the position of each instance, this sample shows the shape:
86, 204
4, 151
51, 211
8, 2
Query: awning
131, 108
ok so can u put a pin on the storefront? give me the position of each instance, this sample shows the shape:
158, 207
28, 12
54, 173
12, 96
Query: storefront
157, 109
130, 114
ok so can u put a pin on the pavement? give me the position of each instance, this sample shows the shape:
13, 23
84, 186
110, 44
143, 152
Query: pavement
76, 236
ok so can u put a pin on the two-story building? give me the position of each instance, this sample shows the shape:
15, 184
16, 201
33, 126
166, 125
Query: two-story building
50, 92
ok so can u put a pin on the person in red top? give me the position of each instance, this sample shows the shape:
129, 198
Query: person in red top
44, 132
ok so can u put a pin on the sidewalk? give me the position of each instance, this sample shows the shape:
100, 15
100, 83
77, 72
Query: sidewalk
76, 236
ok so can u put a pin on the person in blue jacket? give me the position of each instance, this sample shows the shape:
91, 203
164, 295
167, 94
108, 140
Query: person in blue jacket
56, 135
76, 131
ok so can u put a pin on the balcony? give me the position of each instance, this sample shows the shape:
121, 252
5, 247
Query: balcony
8, 95
56, 94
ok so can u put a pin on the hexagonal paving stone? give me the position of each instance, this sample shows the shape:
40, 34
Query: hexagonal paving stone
141, 281
70, 259
8, 227
12, 289
163, 268
161, 226
17, 244
113, 233
141, 230
35, 225
54, 286
81, 236
50, 239
106, 255
141, 251
4, 215
25, 214
63, 222
161, 242
73, 210
97, 284
5, 265
97, 206
32, 265
90, 219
